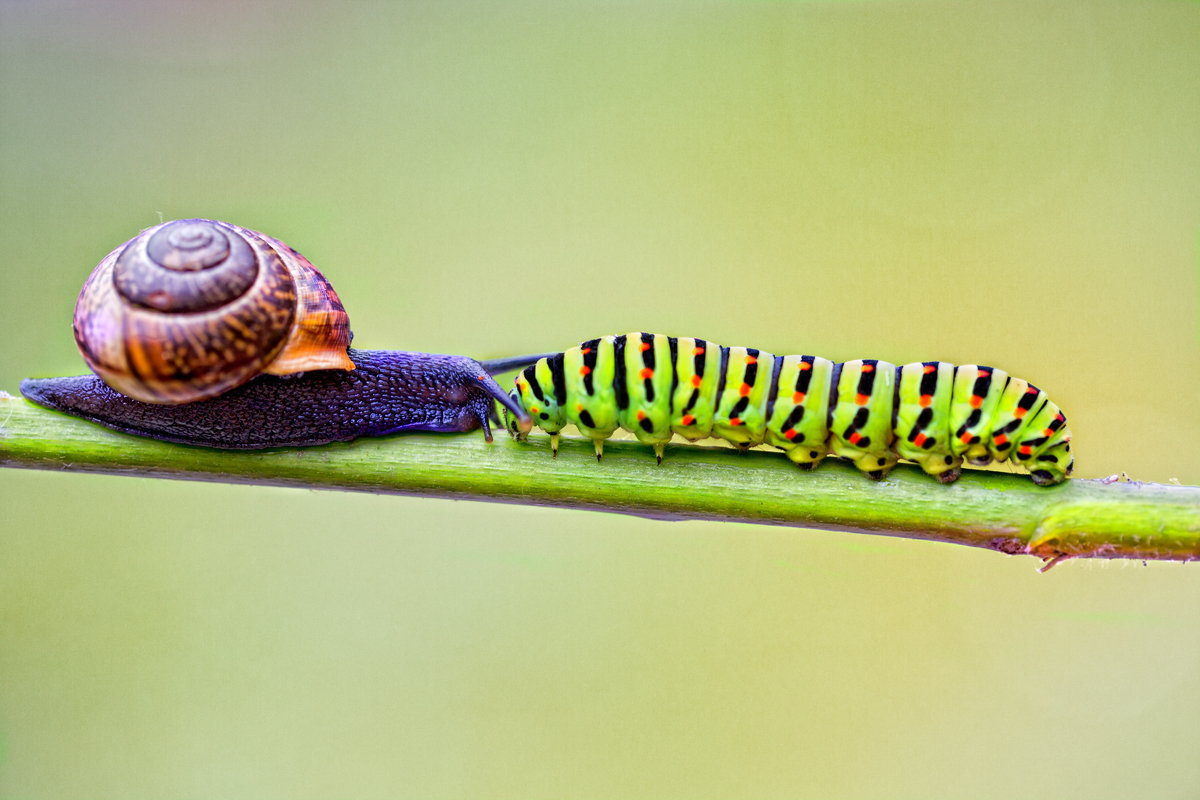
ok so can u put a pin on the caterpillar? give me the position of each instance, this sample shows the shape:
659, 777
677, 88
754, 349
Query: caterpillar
868, 411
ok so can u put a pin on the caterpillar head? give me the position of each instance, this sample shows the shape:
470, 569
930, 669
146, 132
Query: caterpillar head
512, 423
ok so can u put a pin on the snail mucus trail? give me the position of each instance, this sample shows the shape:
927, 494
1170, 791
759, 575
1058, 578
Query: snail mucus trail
205, 333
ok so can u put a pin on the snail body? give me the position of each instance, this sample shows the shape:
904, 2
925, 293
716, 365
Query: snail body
205, 333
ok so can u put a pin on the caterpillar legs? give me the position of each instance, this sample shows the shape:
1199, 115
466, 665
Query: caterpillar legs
804, 458
1043, 477
950, 475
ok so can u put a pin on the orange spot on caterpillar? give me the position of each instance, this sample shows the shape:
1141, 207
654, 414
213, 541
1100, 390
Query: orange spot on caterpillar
789, 434
734, 421
862, 399
646, 373
744, 389
798, 398
854, 437
751, 360
641, 415
1025, 449
1018, 412
868, 367
585, 369
984, 373
925, 400
999, 439
644, 346
976, 401
586, 350
965, 438
696, 381
920, 440
1031, 390
579, 406
1047, 432
929, 368
805, 365
697, 351
534, 410
688, 419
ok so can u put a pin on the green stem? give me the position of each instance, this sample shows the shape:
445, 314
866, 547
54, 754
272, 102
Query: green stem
983, 509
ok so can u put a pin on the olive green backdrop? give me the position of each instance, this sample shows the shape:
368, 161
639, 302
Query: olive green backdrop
1016, 185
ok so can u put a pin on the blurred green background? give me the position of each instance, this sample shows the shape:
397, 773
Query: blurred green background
1015, 184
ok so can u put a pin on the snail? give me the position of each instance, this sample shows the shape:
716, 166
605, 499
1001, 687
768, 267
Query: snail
206, 333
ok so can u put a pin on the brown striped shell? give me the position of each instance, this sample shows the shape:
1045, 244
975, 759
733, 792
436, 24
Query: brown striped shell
192, 308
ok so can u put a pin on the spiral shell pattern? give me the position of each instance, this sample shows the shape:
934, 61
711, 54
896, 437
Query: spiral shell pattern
193, 308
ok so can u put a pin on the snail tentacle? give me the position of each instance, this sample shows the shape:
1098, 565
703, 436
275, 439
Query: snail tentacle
498, 366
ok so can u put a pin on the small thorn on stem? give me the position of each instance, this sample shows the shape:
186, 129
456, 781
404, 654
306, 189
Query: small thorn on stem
1050, 562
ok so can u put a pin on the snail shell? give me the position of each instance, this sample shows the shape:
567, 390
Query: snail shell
192, 308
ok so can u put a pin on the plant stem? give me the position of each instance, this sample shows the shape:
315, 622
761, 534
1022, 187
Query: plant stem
1004, 512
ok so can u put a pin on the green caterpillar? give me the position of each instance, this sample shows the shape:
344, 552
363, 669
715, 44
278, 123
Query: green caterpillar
871, 412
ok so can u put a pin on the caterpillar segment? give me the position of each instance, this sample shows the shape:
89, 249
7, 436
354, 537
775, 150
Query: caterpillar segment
870, 412
1044, 442
1018, 402
798, 408
694, 387
742, 391
862, 415
977, 392
925, 393
643, 386
591, 370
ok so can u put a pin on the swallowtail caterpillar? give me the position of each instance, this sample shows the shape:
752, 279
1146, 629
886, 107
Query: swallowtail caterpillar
871, 412
206, 333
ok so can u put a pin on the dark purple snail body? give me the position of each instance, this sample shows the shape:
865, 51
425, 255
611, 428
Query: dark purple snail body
205, 333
